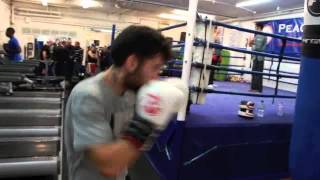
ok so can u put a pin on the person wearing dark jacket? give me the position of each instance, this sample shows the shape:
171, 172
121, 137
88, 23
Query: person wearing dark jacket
106, 59
78, 69
60, 57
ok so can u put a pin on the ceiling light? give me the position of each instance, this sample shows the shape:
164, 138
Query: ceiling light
251, 3
106, 30
173, 16
90, 3
44, 2
117, 6
86, 3
180, 12
101, 30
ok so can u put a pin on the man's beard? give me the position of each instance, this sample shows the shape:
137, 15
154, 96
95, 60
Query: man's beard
133, 81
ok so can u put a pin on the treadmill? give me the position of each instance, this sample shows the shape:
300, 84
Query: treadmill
30, 135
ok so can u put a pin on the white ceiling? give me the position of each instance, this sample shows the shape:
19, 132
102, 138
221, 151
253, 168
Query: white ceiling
223, 9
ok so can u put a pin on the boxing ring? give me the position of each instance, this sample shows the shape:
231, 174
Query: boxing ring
212, 141
216, 143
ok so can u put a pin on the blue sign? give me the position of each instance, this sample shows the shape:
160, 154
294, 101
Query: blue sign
286, 27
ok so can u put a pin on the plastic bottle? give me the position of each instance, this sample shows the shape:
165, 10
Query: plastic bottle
261, 108
280, 110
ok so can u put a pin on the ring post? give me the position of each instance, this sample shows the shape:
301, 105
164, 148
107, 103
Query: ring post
305, 140
186, 68
187, 57
113, 34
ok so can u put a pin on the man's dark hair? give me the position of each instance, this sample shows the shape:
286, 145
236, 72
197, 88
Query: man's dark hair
142, 41
11, 30
260, 25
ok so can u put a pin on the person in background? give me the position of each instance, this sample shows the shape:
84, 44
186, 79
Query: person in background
13, 48
217, 54
77, 46
92, 60
60, 56
51, 70
216, 60
69, 63
105, 58
259, 44
45, 56
79, 69
45, 51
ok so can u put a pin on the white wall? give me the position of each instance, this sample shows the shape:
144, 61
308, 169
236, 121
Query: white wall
75, 21
238, 39
174, 33
78, 22
82, 34
5, 21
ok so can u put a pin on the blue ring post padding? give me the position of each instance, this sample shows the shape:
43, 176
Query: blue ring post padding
197, 89
305, 146
172, 27
255, 32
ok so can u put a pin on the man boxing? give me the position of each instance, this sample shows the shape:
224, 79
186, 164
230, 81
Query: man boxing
104, 131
